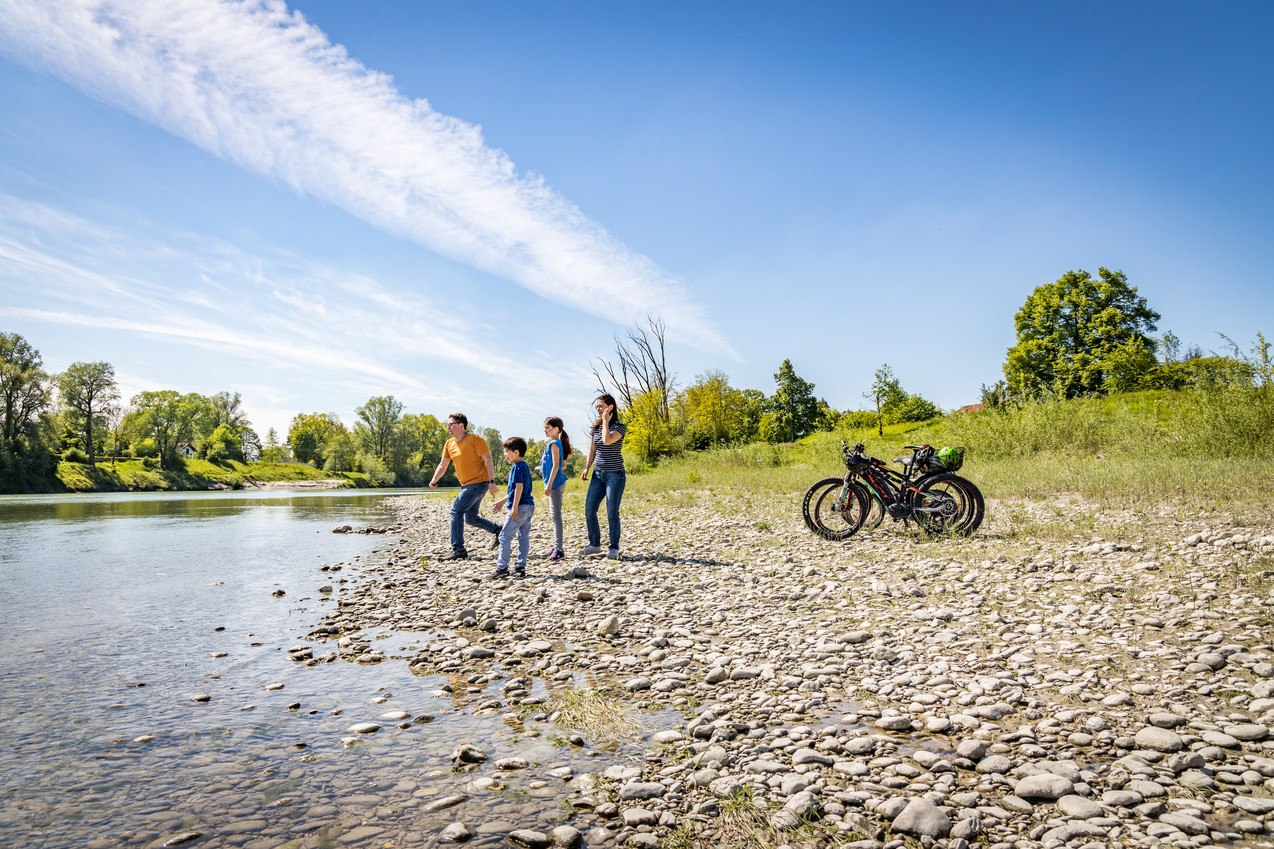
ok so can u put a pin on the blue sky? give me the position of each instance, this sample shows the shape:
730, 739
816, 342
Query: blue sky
460, 204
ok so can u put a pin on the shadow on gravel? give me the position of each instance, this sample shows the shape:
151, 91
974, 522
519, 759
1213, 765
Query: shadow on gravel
688, 561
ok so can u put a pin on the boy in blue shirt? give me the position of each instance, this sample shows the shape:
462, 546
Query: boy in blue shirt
521, 507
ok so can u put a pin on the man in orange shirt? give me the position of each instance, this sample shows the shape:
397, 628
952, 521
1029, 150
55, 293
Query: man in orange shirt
476, 473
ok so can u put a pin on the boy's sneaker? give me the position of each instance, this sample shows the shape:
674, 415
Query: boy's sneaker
495, 543
499, 574
556, 555
519, 573
591, 550
613, 554
455, 554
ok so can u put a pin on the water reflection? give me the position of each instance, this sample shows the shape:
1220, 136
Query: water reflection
148, 694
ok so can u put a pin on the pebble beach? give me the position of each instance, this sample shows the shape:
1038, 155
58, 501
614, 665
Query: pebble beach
1068, 676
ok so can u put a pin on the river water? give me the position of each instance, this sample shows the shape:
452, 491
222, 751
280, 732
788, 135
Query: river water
148, 697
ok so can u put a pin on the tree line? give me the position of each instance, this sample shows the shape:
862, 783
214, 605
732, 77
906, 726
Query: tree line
1076, 336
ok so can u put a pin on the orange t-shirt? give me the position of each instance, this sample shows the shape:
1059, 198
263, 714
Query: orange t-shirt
467, 454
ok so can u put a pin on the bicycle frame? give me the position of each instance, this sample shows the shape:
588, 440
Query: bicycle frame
887, 486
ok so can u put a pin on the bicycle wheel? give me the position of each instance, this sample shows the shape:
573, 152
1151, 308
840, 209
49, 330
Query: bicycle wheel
811, 498
875, 511
947, 504
978, 503
838, 511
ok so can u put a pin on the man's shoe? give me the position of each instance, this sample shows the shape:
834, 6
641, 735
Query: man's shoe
613, 554
495, 543
591, 550
519, 573
499, 573
455, 555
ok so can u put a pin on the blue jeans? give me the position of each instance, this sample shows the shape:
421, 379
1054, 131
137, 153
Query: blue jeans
464, 511
520, 528
610, 486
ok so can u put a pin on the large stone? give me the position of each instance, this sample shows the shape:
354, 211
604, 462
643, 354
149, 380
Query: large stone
810, 756
1158, 740
1186, 823
530, 839
641, 790
1044, 787
994, 765
922, 818
1254, 805
568, 837
457, 832
1247, 732
1079, 807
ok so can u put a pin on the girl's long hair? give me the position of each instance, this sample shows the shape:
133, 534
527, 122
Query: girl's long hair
554, 421
609, 400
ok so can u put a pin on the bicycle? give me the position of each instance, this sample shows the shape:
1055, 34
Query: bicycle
927, 492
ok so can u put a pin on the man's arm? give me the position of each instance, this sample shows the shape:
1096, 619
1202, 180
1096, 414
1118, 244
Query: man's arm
486, 459
441, 470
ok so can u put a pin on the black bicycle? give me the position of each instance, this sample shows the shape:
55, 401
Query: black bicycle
927, 492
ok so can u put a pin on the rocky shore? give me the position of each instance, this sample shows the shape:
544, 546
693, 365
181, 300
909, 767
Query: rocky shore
1067, 677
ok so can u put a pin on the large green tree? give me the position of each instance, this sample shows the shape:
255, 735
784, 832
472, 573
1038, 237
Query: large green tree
377, 425
168, 418
795, 409
87, 392
24, 391
1081, 336
227, 409
712, 412
309, 435
895, 404
650, 433
885, 390
423, 436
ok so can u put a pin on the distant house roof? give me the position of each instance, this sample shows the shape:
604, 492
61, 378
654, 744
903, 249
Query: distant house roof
971, 408
185, 448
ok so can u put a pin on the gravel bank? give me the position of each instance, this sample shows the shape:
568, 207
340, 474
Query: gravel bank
1065, 677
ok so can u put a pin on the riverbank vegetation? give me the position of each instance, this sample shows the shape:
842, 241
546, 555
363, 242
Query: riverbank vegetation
138, 476
1090, 403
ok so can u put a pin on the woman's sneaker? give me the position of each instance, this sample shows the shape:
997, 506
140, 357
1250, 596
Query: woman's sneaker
592, 550
556, 555
613, 554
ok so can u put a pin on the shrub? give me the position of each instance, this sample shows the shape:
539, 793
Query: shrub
74, 455
856, 420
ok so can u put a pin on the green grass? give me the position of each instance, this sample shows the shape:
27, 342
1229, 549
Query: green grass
1207, 451
193, 474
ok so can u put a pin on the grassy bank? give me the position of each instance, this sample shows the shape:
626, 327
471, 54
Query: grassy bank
134, 476
1205, 451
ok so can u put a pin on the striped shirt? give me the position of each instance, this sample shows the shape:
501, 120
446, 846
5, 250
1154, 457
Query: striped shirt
608, 458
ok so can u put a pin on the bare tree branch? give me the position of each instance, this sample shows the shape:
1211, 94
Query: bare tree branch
640, 367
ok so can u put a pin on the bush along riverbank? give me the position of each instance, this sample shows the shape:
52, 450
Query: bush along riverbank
193, 474
1070, 675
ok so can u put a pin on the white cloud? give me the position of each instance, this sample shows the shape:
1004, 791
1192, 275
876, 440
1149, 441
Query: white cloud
270, 312
256, 84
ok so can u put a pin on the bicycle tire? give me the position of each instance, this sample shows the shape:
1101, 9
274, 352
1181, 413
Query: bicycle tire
947, 504
825, 518
810, 495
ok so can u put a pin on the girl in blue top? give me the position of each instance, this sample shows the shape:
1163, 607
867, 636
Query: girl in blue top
553, 470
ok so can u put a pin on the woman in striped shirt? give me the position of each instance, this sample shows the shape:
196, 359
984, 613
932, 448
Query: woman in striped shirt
607, 462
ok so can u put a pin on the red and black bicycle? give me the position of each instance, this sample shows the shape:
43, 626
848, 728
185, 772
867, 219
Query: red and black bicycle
927, 492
